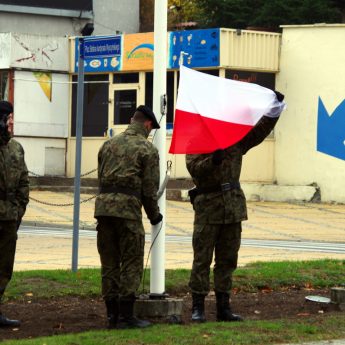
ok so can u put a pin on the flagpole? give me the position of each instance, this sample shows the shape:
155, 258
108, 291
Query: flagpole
157, 278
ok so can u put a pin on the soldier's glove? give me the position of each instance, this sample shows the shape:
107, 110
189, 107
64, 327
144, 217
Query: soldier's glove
280, 96
157, 220
218, 156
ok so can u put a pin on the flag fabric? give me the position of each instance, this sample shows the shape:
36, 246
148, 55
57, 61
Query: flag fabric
214, 113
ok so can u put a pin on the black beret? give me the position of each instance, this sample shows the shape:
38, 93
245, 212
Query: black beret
149, 114
5, 108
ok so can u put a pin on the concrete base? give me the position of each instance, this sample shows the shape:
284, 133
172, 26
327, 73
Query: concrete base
279, 193
264, 192
169, 309
338, 295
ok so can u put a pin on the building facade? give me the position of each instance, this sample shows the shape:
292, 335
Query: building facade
116, 86
305, 154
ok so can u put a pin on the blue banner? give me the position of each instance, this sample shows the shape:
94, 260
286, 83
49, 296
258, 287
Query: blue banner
195, 48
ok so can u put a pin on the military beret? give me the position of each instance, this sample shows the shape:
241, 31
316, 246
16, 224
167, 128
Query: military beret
5, 108
148, 113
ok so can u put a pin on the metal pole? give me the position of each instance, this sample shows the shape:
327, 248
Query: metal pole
157, 279
78, 146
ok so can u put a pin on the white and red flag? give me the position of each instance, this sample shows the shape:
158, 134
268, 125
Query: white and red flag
214, 113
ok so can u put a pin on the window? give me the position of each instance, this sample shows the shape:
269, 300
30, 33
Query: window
170, 96
95, 106
263, 79
125, 103
214, 72
126, 78
4, 83
149, 89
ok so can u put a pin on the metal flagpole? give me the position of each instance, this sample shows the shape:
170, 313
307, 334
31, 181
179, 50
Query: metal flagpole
157, 279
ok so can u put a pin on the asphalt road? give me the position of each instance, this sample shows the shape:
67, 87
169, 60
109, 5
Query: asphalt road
301, 246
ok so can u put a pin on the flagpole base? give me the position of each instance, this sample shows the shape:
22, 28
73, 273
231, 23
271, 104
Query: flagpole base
159, 307
156, 296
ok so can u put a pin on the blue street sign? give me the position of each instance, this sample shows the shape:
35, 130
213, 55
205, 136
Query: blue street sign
100, 54
95, 47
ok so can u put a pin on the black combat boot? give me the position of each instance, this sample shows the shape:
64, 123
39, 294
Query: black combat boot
198, 308
127, 318
5, 322
112, 312
224, 312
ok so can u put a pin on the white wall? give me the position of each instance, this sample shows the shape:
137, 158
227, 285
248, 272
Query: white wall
109, 16
40, 24
115, 15
34, 113
5, 50
312, 66
35, 154
90, 148
39, 52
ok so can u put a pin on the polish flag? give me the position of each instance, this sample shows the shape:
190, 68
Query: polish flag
214, 113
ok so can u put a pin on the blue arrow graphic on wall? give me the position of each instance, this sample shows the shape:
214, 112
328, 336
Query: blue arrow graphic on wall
331, 131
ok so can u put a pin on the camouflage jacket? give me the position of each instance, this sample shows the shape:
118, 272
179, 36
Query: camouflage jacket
14, 181
129, 160
229, 206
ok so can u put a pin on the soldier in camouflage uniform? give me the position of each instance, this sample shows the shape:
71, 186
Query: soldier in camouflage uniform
128, 174
220, 207
14, 196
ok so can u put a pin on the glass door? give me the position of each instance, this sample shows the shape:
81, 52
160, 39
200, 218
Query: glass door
125, 103
123, 100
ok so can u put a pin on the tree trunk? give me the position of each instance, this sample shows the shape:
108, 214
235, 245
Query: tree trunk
146, 15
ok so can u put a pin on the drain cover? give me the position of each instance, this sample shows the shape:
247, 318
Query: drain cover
319, 299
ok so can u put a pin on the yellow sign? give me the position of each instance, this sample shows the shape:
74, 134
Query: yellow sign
137, 52
45, 81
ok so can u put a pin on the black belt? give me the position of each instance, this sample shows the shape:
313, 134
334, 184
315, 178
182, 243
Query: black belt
122, 190
7, 195
193, 193
220, 188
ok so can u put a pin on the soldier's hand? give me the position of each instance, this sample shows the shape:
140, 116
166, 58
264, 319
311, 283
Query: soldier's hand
218, 156
157, 220
280, 96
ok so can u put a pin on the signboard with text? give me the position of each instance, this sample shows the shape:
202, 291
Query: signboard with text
137, 52
101, 54
261, 78
200, 48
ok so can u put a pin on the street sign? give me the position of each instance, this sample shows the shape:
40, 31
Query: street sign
96, 48
100, 54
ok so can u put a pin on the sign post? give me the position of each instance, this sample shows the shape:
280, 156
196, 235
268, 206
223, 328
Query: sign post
78, 138
89, 48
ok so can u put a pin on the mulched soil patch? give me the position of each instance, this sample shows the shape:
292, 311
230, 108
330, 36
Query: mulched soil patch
45, 317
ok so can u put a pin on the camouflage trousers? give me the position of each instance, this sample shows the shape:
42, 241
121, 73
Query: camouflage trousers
120, 244
8, 241
222, 239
